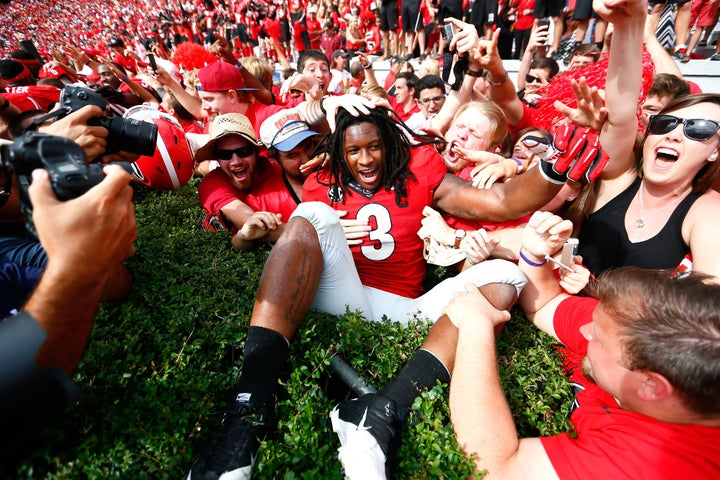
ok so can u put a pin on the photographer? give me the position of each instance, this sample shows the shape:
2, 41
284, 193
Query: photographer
41, 345
20, 247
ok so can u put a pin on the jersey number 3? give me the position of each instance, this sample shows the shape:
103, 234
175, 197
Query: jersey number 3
382, 242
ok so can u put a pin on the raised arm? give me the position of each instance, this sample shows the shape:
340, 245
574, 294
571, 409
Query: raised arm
624, 79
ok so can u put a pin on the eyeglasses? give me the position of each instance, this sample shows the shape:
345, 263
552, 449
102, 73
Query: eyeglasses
426, 101
693, 128
532, 79
241, 152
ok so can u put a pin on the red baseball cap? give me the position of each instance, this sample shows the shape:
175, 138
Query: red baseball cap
57, 72
220, 77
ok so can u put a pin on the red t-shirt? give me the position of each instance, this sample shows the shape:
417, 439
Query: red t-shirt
313, 25
258, 112
615, 443
268, 194
390, 259
399, 109
373, 40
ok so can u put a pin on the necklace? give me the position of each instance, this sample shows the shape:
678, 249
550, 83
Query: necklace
642, 220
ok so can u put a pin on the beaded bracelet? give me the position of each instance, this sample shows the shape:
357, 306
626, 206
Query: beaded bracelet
530, 262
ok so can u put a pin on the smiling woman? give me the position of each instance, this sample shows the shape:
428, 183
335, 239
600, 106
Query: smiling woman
659, 215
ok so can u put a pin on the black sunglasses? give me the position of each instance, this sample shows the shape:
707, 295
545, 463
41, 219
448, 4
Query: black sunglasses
241, 152
693, 128
532, 79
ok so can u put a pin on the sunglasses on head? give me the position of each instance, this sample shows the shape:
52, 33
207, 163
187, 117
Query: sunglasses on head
241, 152
532, 79
693, 128
436, 100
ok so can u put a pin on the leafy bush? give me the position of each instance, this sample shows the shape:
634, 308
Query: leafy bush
160, 367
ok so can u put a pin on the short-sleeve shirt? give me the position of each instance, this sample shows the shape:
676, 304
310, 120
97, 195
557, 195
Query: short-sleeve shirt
270, 193
390, 259
612, 442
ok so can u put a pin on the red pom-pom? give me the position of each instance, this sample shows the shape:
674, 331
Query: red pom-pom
559, 88
189, 56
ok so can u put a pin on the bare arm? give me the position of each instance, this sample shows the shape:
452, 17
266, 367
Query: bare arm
465, 39
99, 225
544, 234
192, 104
501, 202
478, 408
502, 90
624, 80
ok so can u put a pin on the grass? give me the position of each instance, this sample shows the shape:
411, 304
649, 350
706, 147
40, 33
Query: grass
161, 366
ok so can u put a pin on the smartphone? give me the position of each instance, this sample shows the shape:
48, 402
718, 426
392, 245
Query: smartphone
569, 249
153, 64
546, 22
448, 32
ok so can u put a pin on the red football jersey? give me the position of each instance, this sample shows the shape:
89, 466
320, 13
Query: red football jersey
390, 258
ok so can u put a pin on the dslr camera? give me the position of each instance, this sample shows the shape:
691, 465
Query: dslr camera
64, 160
126, 134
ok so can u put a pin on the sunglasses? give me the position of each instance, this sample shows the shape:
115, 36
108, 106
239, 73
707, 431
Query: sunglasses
241, 152
693, 128
426, 101
532, 79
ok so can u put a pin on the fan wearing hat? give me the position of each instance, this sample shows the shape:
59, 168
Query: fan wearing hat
18, 87
341, 78
222, 90
247, 194
117, 46
291, 143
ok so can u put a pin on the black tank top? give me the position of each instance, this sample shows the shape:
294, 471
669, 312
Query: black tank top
604, 242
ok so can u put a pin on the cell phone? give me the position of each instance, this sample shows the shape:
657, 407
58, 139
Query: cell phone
448, 32
545, 22
569, 249
153, 64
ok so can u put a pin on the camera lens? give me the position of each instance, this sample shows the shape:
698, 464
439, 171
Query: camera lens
130, 135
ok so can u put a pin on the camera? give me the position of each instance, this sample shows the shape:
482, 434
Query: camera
126, 134
64, 160
448, 32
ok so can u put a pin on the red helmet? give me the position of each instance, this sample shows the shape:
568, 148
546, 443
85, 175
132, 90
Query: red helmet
172, 165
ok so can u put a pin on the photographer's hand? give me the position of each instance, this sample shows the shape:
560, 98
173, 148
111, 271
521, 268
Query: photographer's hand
75, 127
85, 238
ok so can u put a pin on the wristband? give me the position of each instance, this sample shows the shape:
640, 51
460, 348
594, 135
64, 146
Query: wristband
530, 262
473, 73
519, 164
368, 67
497, 84
322, 109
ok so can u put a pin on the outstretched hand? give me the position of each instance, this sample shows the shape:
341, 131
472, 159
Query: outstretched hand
590, 111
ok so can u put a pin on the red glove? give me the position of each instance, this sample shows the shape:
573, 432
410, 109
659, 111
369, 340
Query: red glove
571, 153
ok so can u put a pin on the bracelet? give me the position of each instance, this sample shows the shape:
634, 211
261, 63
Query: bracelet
322, 109
473, 73
519, 164
530, 262
497, 84
366, 67
5, 105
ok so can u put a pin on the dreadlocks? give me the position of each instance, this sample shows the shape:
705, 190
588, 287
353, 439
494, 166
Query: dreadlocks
396, 149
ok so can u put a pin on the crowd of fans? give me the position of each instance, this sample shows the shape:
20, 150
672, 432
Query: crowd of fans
361, 183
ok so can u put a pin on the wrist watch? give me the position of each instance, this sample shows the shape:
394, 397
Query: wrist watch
459, 235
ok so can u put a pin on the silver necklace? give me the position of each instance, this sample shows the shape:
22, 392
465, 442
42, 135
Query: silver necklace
642, 220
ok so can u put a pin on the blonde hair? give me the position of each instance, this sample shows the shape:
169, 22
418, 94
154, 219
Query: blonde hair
430, 66
498, 122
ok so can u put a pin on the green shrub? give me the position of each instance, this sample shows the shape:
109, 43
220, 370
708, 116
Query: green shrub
160, 367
